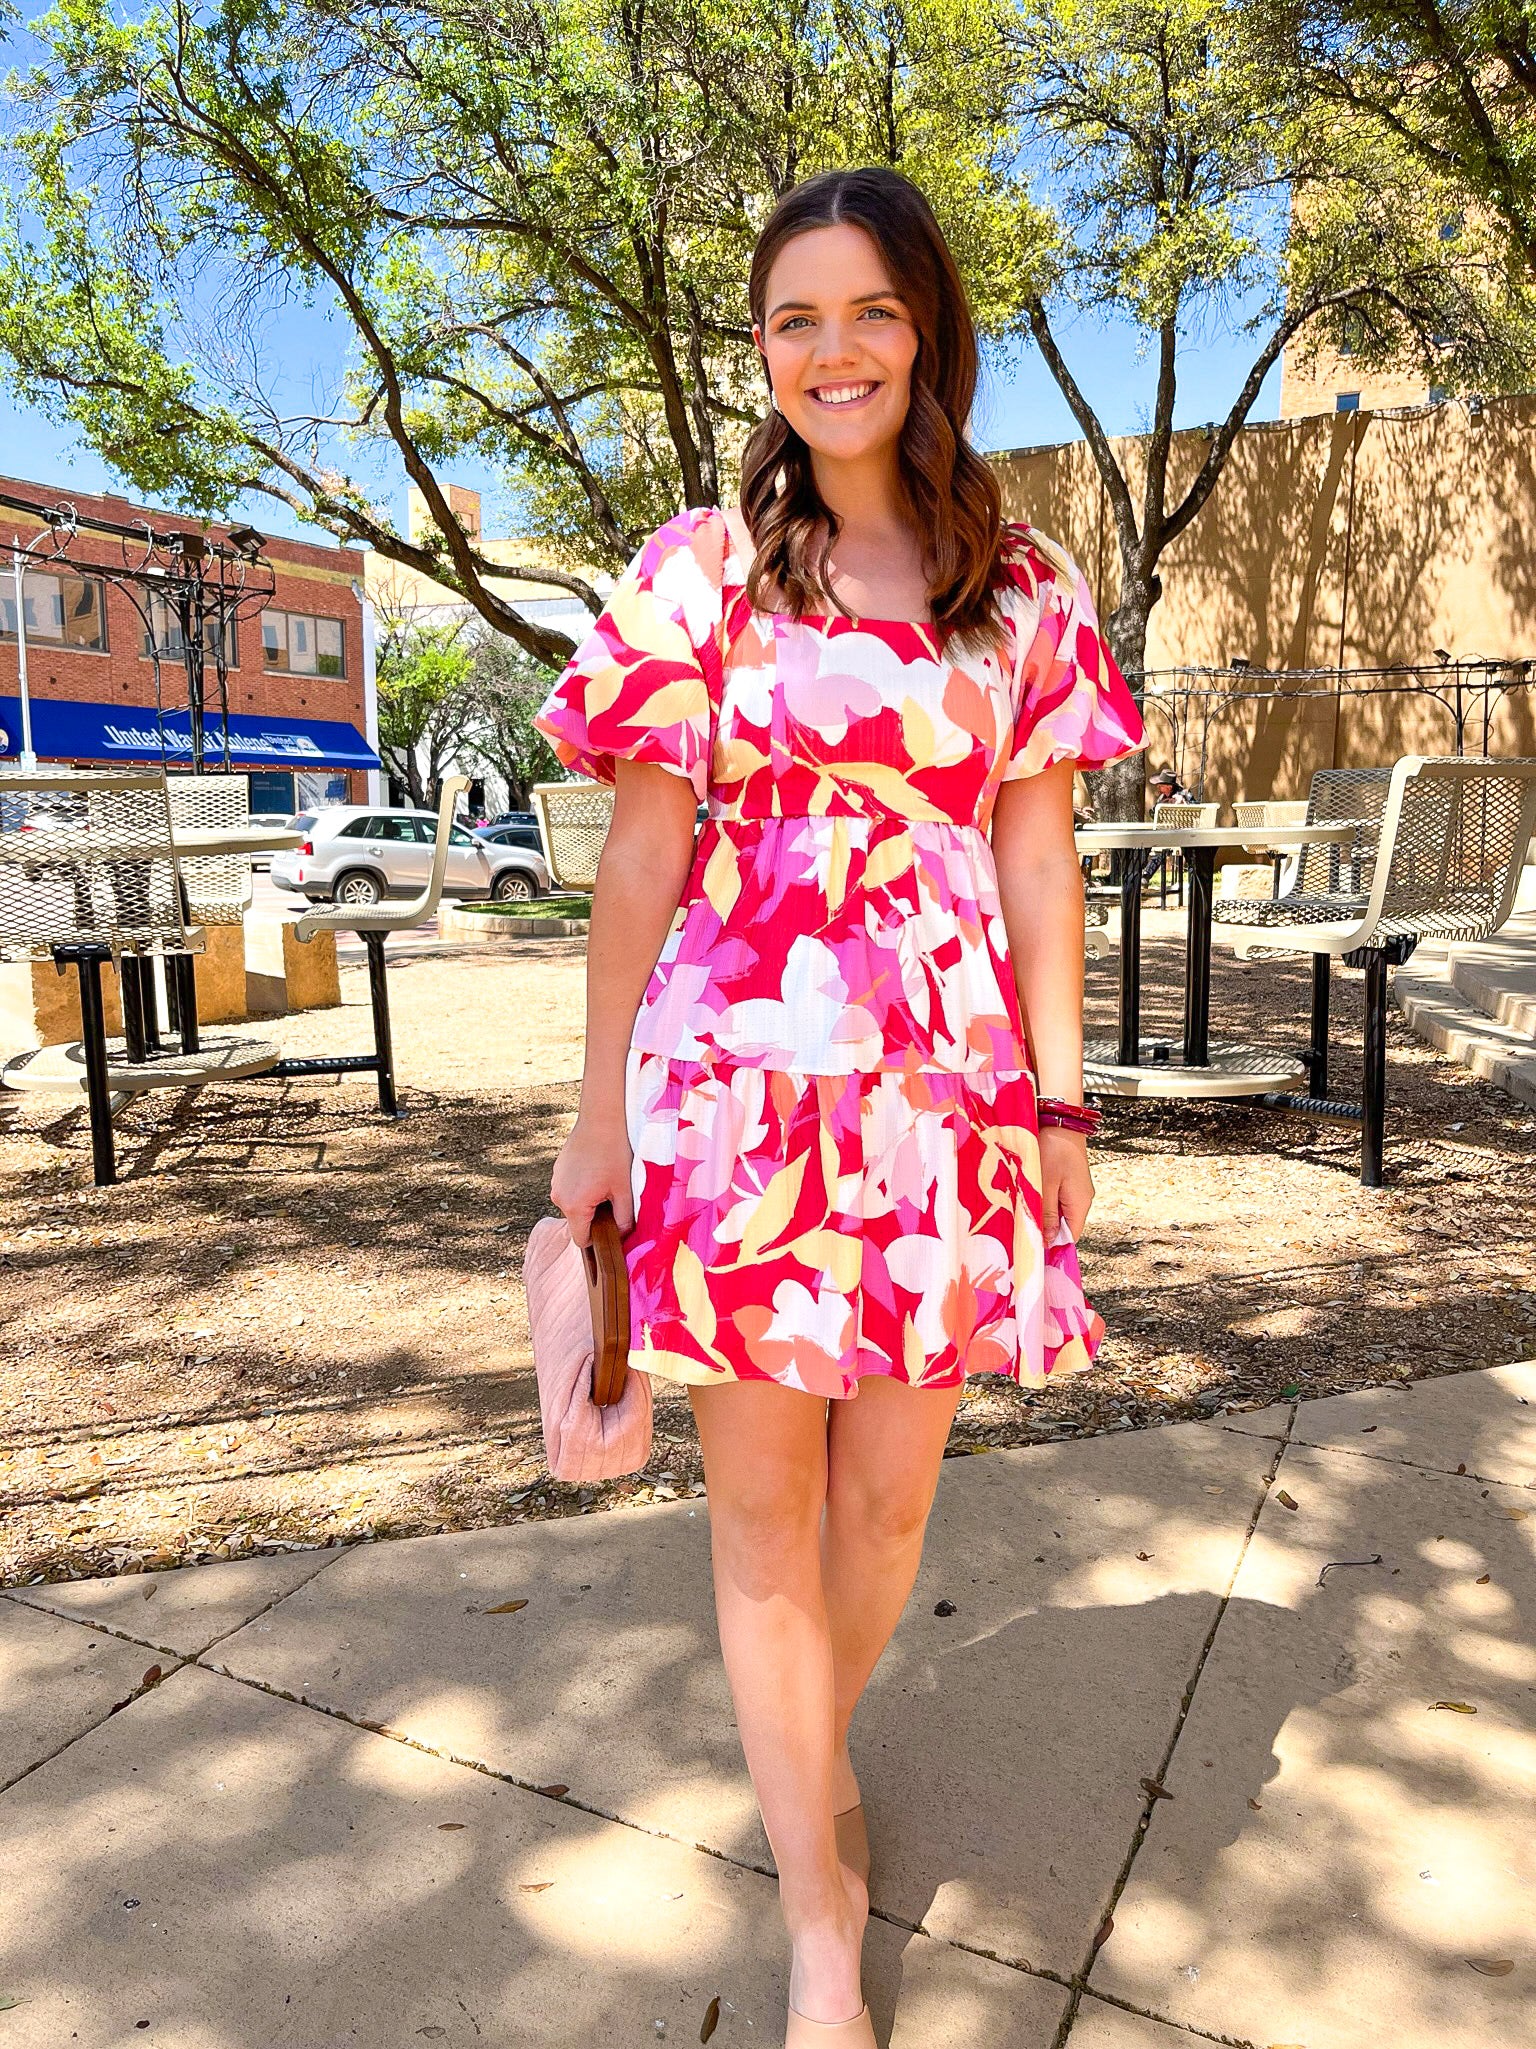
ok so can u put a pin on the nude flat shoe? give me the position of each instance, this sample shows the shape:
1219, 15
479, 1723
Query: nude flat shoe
853, 1840
858, 2033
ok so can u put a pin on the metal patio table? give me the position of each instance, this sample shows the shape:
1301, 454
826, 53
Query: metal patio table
1195, 1067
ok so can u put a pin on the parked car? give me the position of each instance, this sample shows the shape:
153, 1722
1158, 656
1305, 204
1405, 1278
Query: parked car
46, 811
515, 832
355, 855
264, 821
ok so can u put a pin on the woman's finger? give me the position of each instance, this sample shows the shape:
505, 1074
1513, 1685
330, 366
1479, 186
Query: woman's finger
579, 1218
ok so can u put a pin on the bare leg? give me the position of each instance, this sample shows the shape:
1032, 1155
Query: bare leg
884, 1450
765, 1465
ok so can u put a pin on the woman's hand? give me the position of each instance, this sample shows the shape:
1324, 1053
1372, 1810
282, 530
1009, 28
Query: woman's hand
1066, 1186
593, 1166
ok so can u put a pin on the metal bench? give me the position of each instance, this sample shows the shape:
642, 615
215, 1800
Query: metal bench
1445, 863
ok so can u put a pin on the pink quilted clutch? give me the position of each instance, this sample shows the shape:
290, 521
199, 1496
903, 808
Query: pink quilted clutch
582, 1440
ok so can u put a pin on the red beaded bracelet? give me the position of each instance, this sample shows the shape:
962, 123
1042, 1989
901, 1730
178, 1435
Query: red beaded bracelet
1081, 1117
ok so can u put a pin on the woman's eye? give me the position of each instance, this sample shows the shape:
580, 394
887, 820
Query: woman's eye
788, 326
881, 312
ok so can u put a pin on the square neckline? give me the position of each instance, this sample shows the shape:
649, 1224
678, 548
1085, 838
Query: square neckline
733, 555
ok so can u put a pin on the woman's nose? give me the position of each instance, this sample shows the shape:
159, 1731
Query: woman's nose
836, 344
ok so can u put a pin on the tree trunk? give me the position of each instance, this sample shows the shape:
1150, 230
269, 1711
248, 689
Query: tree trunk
1118, 793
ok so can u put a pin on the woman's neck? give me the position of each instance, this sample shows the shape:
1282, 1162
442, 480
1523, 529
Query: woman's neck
866, 494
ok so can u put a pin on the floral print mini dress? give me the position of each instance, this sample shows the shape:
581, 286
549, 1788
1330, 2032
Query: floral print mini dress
830, 1104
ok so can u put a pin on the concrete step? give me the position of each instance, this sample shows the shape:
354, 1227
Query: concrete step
1430, 997
1498, 976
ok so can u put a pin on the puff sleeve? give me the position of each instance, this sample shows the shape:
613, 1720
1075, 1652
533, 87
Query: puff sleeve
1071, 701
645, 683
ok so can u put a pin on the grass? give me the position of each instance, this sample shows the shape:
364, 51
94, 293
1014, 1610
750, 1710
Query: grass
541, 907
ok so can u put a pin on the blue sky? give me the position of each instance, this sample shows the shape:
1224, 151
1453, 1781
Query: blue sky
1019, 406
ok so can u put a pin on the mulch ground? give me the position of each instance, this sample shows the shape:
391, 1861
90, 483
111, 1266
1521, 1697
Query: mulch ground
292, 1324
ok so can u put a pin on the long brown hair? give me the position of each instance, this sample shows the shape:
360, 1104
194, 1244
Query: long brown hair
953, 493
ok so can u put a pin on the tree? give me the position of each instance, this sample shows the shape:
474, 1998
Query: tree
532, 219
427, 705
1453, 82
1177, 180
507, 689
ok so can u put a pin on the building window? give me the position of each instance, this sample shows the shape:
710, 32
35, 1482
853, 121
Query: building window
302, 646
272, 791
1347, 402
1438, 394
61, 610
162, 635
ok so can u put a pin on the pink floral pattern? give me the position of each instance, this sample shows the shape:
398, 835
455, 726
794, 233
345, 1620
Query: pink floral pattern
836, 1167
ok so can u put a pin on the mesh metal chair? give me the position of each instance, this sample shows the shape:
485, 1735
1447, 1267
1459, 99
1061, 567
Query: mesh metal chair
1445, 865
87, 863
373, 925
218, 886
89, 876
1259, 812
1256, 814
1182, 815
573, 823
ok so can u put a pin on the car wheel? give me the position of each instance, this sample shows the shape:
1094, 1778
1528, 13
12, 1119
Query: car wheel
358, 890
513, 888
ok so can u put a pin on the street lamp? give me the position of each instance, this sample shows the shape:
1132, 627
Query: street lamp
20, 555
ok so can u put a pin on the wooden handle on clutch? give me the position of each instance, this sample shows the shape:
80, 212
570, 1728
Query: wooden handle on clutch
608, 1288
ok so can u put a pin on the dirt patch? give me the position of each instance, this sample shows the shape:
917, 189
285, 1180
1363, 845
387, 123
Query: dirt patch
292, 1323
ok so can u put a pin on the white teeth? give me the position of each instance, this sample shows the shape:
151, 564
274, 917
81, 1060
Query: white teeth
841, 394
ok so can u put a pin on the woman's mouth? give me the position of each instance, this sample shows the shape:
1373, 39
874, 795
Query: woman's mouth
843, 396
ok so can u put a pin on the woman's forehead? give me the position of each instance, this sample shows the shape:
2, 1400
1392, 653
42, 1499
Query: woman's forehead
828, 266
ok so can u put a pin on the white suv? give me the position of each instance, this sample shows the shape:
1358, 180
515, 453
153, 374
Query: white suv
353, 855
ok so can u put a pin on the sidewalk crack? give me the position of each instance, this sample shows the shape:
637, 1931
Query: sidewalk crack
135, 1693
28, 1597
568, 1799
1139, 1833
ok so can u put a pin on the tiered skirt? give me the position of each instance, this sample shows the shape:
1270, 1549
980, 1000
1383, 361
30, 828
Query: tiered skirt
814, 1228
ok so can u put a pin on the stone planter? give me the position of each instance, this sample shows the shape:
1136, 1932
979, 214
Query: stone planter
498, 928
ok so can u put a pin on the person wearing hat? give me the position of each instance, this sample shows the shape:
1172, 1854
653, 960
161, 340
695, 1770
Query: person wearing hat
1166, 789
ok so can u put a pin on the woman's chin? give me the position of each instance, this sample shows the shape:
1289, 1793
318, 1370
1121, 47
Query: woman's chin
847, 440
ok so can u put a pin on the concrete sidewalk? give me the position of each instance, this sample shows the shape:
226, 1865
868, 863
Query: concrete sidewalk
1231, 1735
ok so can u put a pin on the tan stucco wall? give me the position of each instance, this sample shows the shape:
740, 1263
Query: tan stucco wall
1356, 538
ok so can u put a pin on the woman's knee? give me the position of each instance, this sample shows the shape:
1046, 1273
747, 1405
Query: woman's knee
887, 1511
765, 1461
768, 1515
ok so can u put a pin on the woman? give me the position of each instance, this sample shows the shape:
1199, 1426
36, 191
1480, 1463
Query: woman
814, 1039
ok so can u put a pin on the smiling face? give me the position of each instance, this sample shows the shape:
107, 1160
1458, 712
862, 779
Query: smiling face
839, 343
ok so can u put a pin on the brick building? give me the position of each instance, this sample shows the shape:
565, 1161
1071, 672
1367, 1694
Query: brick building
302, 709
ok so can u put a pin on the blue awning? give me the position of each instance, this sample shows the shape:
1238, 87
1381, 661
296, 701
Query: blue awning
63, 730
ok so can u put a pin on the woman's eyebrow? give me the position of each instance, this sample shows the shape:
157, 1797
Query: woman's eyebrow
805, 305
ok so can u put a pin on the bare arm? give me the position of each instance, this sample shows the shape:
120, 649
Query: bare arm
640, 880
1041, 889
